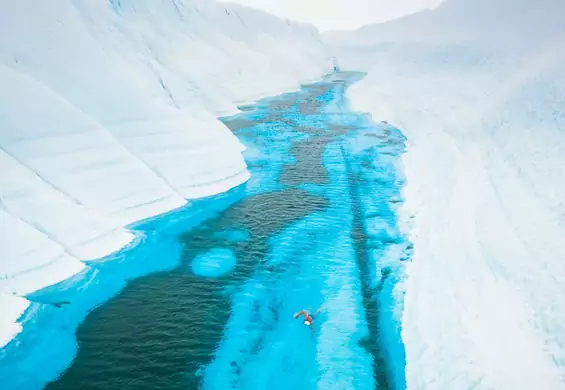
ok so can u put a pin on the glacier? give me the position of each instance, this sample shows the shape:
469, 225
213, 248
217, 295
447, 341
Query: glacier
478, 87
108, 114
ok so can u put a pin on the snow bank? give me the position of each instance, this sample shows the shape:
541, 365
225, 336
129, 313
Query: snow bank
108, 116
12, 307
481, 98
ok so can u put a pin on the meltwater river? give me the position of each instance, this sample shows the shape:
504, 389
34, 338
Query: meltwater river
206, 298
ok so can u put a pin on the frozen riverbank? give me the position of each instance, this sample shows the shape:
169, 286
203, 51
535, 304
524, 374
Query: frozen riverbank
108, 116
481, 100
315, 225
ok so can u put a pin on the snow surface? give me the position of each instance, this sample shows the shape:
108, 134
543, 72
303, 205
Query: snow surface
478, 87
12, 308
108, 116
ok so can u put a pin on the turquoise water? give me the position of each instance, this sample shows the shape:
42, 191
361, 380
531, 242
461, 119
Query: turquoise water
205, 298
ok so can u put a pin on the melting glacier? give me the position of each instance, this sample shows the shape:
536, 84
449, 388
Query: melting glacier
315, 226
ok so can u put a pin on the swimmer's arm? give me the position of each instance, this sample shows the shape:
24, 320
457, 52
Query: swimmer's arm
301, 312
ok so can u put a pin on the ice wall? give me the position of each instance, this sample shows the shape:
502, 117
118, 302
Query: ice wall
108, 116
479, 89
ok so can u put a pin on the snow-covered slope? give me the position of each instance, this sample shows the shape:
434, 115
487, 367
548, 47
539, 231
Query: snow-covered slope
479, 89
108, 116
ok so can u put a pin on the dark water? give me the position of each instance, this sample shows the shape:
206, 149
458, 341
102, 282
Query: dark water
162, 328
310, 228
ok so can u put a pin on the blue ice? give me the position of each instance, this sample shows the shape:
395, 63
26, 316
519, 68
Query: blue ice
233, 235
214, 263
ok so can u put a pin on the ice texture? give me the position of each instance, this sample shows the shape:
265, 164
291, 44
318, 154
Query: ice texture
480, 94
108, 116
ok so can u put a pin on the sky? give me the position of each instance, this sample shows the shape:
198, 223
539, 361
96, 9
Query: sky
340, 14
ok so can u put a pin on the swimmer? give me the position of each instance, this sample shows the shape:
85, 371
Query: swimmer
308, 318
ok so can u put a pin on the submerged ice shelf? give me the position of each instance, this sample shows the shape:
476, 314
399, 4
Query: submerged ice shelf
214, 263
314, 226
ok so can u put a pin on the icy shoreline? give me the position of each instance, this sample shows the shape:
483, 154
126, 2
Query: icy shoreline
54, 313
483, 111
109, 116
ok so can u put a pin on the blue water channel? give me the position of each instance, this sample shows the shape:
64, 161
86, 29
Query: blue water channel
206, 295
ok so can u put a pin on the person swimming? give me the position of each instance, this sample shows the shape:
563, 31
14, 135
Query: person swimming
308, 318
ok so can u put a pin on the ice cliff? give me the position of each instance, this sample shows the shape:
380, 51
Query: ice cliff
108, 116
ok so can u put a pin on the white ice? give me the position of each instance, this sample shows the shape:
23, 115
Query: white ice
12, 308
479, 89
108, 116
